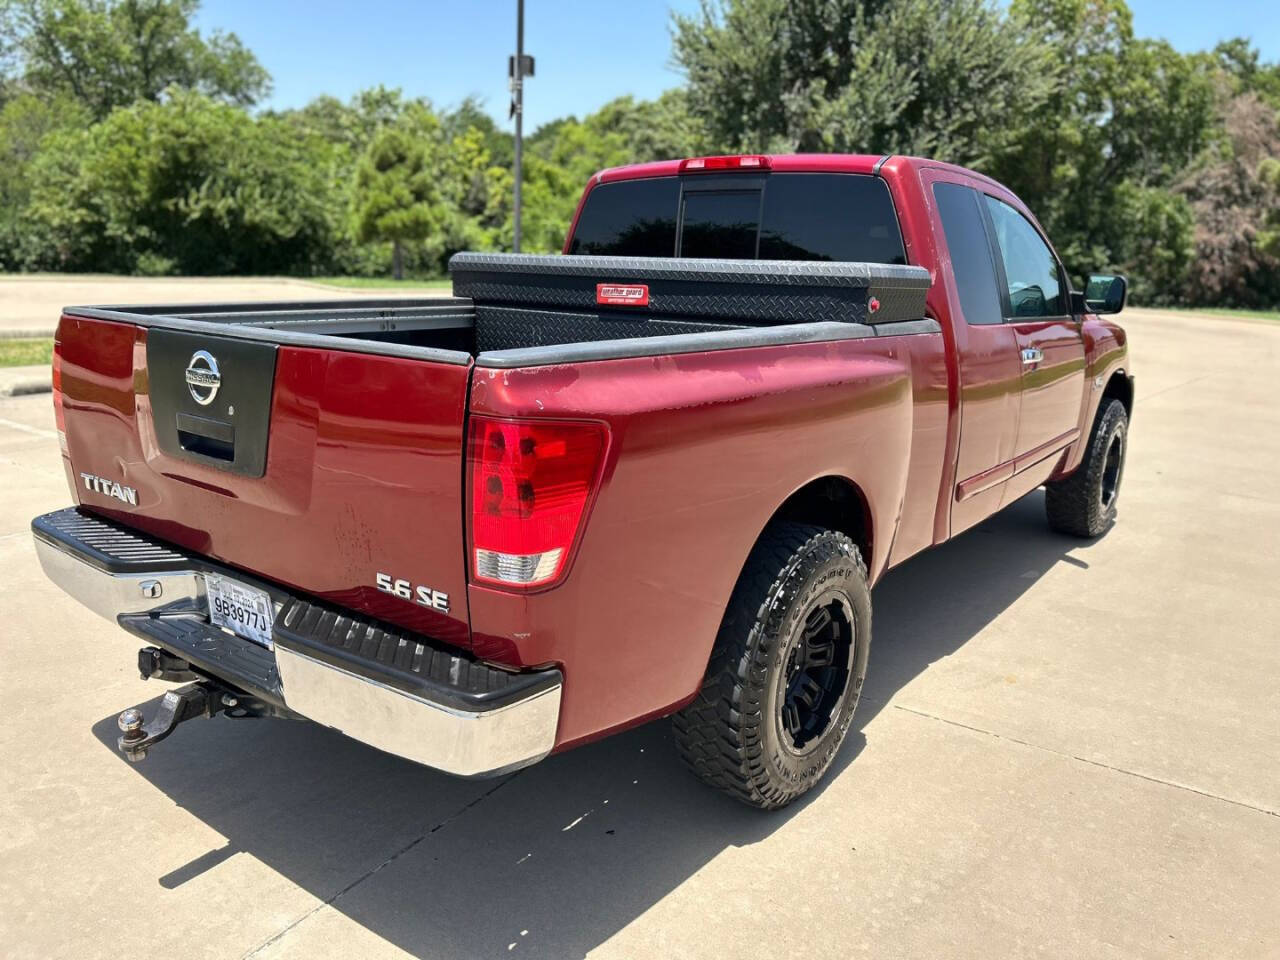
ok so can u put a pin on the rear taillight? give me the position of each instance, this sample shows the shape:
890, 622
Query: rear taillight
706, 164
531, 483
59, 415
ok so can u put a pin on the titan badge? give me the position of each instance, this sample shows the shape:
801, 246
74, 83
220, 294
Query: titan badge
110, 488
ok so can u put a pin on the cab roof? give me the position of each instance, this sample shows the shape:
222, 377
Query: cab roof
779, 162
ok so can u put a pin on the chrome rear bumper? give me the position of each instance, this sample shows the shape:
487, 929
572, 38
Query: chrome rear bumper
464, 717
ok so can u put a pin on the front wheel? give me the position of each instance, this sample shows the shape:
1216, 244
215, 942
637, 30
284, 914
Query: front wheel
786, 671
1084, 504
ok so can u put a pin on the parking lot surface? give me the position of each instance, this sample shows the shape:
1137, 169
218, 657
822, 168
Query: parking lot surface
1064, 749
29, 304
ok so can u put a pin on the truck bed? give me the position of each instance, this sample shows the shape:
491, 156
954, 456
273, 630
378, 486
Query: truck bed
513, 309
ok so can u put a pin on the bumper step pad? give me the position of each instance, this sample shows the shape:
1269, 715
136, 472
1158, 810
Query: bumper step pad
399, 659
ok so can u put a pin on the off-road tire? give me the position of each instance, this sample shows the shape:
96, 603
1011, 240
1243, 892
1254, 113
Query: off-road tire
734, 736
1084, 504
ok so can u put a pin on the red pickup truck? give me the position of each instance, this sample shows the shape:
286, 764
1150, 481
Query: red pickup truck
656, 475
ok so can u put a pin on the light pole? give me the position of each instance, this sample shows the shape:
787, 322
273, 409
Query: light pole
518, 67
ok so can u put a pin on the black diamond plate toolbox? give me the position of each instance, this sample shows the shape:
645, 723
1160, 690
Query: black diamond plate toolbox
737, 292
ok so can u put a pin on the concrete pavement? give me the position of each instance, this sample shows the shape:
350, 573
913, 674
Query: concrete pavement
1065, 749
30, 303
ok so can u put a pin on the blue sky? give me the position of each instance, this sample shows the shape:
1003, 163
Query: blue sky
588, 51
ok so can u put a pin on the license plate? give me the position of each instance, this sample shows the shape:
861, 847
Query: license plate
245, 611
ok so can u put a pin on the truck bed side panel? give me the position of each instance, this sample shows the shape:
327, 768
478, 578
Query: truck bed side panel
705, 448
363, 472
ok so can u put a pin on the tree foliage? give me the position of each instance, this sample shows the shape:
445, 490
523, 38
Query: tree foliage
188, 185
126, 143
111, 53
25, 121
1234, 197
929, 77
397, 196
1125, 117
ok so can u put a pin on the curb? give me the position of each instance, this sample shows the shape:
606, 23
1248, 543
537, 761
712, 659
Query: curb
22, 381
24, 388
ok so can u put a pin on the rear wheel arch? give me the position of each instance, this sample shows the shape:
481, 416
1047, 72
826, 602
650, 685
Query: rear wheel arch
834, 503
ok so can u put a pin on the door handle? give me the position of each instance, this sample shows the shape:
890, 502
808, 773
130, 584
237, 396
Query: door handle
1032, 355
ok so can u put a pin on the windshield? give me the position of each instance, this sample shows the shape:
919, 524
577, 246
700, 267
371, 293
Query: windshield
780, 216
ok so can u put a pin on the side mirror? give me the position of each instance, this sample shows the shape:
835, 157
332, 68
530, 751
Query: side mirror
1105, 293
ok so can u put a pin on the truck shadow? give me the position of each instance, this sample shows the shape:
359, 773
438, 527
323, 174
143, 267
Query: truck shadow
557, 858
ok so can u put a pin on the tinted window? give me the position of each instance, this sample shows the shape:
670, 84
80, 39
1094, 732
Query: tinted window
631, 218
971, 262
829, 216
1035, 285
806, 216
721, 223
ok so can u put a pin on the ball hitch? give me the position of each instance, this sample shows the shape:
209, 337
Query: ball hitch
201, 699
137, 735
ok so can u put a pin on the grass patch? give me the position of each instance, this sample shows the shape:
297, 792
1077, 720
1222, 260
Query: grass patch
25, 353
383, 283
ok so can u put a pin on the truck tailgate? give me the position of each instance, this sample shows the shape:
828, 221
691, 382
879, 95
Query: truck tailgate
316, 468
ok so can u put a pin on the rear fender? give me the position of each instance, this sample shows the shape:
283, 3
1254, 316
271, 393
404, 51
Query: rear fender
704, 450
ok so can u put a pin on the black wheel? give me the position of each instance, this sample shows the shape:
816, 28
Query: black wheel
1084, 504
786, 671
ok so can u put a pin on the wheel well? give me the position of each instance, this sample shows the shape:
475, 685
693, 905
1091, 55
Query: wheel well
1120, 387
835, 503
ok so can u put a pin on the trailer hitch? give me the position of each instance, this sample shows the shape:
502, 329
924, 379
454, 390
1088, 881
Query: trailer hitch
162, 665
203, 698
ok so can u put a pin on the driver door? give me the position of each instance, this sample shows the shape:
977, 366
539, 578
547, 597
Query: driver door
1037, 305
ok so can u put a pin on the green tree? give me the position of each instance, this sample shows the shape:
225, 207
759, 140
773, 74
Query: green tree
397, 191
1234, 195
1240, 61
467, 150
111, 53
662, 129
187, 185
944, 78
25, 121
1099, 162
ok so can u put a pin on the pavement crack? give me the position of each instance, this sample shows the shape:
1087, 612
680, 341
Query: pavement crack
373, 871
1186, 383
1093, 763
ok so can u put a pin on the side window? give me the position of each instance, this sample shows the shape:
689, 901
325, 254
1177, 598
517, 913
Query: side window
966, 235
1035, 284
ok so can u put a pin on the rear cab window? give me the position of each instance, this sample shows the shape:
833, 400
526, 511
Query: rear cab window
844, 217
634, 218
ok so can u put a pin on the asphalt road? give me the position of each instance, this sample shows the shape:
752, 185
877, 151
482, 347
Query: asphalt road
1064, 749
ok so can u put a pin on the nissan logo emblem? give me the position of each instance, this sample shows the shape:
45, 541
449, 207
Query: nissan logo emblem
203, 379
